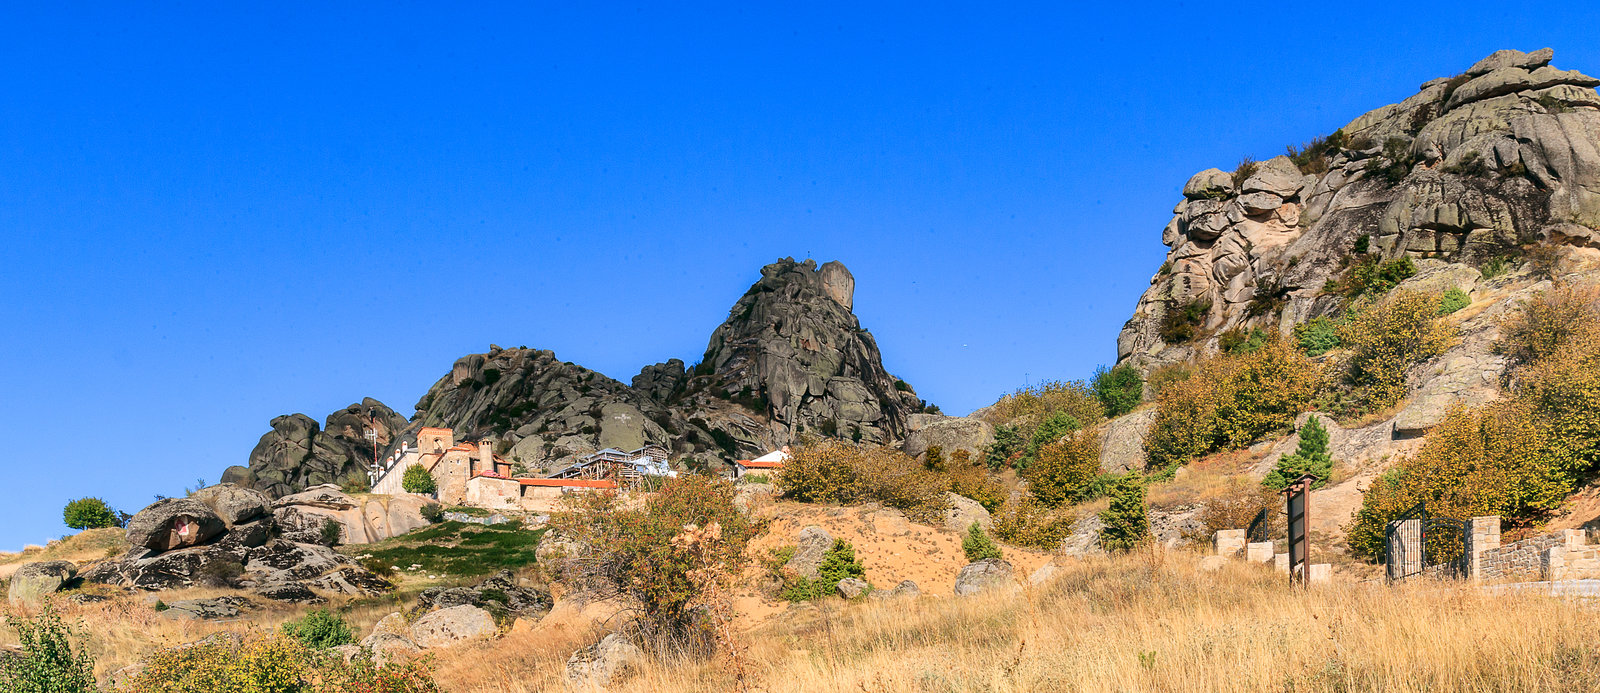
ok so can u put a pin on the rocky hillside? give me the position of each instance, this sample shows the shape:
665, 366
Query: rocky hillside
1470, 169
1487, 182
791, 358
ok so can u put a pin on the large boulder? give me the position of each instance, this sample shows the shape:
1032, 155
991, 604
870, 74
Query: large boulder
986, 574
233, 504
173, 523
298, 453
34, 581
499, 592
949, 434
811, 544
852, 588
960, 512
1122, 441
604, 664
212, 609
447, 627
1209, 183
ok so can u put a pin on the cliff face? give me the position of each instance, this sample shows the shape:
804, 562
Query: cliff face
1468, 169
793, 342
790, 358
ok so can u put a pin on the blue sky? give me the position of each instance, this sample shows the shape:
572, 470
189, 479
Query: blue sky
212, 216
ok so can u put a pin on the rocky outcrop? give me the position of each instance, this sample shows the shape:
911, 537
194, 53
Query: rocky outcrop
793, 351
297, 453
248, 553
447, 627
987, 574
302, 516
906, 588
1122, 441
499, 594
1467, 169
662, 381
961, 512
811, 544
604, 664
33, 582
851, 588
949, 434
211, 609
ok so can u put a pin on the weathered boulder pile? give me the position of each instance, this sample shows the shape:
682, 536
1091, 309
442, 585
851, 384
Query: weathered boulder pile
297, 453
227, 536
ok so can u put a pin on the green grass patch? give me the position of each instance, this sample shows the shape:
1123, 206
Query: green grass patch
457, 549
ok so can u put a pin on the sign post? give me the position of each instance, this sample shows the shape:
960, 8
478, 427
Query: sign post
1297, 499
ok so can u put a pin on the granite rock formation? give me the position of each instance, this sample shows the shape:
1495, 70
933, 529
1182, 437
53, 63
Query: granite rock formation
297, 453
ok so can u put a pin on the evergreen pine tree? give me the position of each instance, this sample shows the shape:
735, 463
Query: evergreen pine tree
1310, 458
1127, 521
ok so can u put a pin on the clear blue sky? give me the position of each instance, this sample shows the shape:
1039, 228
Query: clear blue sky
212, 216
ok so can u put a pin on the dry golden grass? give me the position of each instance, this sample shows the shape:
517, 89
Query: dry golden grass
1154, 622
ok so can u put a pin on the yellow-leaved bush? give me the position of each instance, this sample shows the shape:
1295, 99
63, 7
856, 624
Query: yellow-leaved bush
839, 471
273, 664
1517, 458
1229, 402
1386, 339
1063, 467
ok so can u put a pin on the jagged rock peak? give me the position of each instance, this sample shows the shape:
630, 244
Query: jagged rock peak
793, 342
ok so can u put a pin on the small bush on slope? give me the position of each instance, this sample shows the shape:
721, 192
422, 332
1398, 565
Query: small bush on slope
1127, 520
49, 661
320, 629
838, 563
89, 513
977, 545
642, 565
275, 665
1027, 522
1311, 457
1119, 389
837, 471
1061, 469
1230, 402
1386, 339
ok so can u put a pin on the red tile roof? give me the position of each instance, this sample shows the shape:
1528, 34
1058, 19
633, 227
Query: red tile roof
752, 464
570, 483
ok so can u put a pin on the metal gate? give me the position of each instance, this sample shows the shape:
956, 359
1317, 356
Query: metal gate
1417, 543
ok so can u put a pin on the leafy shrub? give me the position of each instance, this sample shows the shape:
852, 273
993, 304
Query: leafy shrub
1313, 157
838, 563
1397, 160
1311, 457
1127, 520
1030, 405
1318, 335
89, 513
1119, 389
1550, 320
836, 471
1489, 461
1236, 507
1268, 298
970, 480
274, 664
1237, 341
48, 661
1230, 402
1181, 322
1495, 266
977, 545
1362, 245
1453, 300
1163, 377
417, 479
1368, 275
643, 566
320, 629
1472, 165
1387, 338
1061, 468
1051, 430
1544, 261
1247, 167
1027, 522
332, 532
433, 513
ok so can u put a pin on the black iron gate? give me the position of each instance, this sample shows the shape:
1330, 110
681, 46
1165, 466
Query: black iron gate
1440, 544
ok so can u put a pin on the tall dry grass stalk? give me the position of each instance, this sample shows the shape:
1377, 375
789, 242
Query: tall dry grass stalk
1154, 622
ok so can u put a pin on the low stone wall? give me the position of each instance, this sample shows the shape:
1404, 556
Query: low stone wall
1519, 560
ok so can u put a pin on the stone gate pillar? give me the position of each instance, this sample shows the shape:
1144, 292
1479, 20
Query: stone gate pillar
1483, 533
1405, 548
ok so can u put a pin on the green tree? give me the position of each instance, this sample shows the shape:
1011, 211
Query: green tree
417, 479
1007, 442
1119, 389
1310, 458
89, 513
1127, 520
977, 544
47, 663
1054, 427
